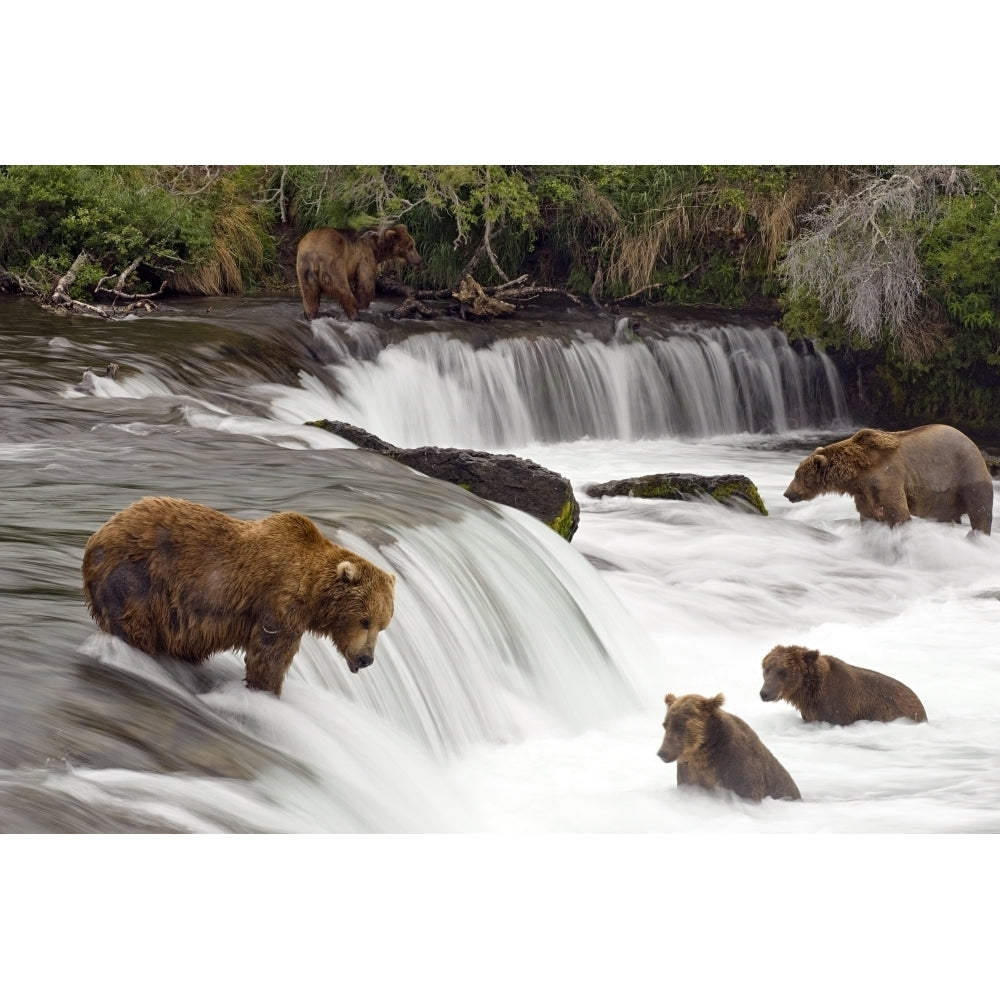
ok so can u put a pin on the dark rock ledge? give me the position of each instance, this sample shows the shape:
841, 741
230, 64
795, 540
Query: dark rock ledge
507, 479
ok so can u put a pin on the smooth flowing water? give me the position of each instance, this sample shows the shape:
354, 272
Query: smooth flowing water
520, 685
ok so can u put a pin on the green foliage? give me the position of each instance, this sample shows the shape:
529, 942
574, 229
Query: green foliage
177, 220
960, 254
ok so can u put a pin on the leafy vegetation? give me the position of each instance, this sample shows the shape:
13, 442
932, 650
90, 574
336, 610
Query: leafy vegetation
896, 265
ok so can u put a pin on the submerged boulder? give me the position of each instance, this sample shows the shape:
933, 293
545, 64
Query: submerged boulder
506, 479
735, 491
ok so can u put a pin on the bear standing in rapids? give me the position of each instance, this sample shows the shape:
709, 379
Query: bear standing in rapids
714, 749
171, 576
933, 471
825, 689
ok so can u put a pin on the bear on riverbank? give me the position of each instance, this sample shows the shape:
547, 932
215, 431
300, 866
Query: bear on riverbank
825, 689
341, 264
171, 576
715, 749
933, 471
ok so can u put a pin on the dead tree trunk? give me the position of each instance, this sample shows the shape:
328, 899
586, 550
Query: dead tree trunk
61, 296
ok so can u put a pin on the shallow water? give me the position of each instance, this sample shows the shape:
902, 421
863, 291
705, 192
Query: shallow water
520, 686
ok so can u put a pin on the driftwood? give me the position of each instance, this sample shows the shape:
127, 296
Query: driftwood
468, 299
62, 301
472, 300
60, 296
411, 308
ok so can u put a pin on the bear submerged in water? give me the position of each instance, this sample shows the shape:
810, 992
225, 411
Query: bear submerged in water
826, 689
715, 749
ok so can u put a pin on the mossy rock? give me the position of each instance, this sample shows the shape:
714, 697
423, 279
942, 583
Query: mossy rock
734, 491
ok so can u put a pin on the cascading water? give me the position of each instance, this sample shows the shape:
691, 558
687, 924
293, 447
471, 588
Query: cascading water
520, 685
696, 380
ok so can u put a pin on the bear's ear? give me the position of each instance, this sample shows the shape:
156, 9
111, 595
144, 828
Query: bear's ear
670, 699
713, 704
820, 459
347, 571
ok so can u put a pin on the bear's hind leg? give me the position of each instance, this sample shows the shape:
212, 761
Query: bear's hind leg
310, 300
980, 506
115, 597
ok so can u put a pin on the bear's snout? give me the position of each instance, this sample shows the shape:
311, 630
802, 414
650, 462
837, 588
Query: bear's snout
766, 695
791, 495
360, 662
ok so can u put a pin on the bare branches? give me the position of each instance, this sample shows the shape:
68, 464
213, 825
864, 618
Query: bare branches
858, 255
61, 298
190, 180
119, 289
279, 196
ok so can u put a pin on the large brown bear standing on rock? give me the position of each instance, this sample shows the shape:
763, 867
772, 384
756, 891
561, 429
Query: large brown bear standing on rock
341, 264
171, 576
825, 689
933, 471
717, 750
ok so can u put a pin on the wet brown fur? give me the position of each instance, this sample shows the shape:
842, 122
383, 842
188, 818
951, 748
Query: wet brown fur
341, 264
171, 576
933, 471
715, 749
826, 689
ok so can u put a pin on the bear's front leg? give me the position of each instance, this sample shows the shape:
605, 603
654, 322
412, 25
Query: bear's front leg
891, 506
268, 657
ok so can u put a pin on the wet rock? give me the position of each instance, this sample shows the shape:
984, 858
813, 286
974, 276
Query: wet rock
506, 479
736, 491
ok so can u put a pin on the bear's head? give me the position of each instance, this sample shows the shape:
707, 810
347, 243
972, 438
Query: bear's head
810, 477
358, 605
396, 242
787, 670
684, 728
834, 468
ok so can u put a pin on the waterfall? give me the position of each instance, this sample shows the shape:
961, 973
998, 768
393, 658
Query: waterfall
689, 380
496, 620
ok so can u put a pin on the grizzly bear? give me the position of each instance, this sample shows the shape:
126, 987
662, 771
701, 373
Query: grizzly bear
933, 471
825, 689
171, 576
714, 749
341, 264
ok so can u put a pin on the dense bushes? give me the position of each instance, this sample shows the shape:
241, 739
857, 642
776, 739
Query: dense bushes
896, 266
197, 228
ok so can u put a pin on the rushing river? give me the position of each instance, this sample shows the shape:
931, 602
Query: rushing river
520, 685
